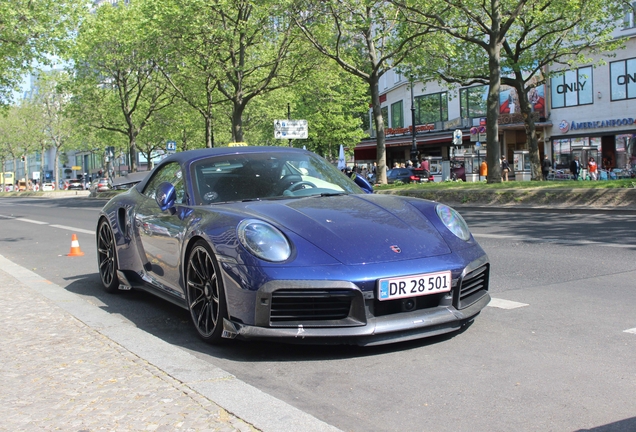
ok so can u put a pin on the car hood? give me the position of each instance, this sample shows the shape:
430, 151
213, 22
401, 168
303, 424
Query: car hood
356, 229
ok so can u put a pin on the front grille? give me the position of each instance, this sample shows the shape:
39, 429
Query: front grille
290, 305
471, 285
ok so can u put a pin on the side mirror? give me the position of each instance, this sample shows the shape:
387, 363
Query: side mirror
165, 196
362, 182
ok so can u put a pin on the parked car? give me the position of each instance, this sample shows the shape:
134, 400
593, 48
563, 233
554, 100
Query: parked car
75, 184
48, 186
101, 184
260, 243
407, 175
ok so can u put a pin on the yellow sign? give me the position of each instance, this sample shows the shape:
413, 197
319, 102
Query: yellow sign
76, 168
237, 144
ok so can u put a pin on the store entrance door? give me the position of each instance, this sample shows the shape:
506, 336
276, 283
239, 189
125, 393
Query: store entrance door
608, 151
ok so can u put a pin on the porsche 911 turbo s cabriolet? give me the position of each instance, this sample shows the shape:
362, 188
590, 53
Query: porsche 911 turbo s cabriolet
277, 243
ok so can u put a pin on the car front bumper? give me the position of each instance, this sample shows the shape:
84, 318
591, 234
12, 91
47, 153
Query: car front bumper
377, 331
283, 311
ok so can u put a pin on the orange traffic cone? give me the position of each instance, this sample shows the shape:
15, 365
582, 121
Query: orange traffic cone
75, 249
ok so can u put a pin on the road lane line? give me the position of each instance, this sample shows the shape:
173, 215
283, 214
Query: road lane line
32, 221
64, 227
553, 241
632, 330
505, 304
73, 229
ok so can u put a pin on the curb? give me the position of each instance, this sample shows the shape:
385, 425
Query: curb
244, 401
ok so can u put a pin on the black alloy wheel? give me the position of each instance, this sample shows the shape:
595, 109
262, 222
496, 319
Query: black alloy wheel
204, 293
107, 258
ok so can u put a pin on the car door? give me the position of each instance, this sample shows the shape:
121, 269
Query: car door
161, 232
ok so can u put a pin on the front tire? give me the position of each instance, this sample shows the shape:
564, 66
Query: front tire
107, 258
205, 294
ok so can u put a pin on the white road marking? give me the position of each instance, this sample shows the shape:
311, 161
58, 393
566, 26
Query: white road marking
632, 330
552, 241
73, 229
505, 304
80, 230
32, 221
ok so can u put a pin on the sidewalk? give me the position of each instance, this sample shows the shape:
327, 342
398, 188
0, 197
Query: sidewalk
79, 371
57, 373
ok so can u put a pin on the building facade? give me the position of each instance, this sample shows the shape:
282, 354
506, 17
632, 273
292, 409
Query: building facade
585, 111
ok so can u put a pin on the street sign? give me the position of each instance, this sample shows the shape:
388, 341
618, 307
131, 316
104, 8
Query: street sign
457, 137
171, 146
290, 129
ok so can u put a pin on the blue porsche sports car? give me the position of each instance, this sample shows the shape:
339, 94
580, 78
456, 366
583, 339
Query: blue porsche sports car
277, 243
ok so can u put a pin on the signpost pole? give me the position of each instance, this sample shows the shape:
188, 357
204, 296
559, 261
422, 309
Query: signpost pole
289, 118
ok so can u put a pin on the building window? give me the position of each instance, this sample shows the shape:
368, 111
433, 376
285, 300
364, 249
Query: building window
385, 116
473, 101
623, 79
431, 108
571, 88
397, 115
629, 20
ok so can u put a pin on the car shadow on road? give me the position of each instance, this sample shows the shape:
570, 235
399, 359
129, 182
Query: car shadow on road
172, 324
627, 425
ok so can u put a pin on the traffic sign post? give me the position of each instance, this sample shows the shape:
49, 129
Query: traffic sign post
171, 146
457, 137
291, 129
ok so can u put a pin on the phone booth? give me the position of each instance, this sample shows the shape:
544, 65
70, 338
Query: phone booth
521, 165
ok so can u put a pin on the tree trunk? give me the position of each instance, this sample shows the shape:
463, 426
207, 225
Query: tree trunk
237, 122
531, 130
132, 152
493, 156
209, 137
379, 127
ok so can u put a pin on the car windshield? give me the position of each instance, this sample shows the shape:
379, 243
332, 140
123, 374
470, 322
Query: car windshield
254, 176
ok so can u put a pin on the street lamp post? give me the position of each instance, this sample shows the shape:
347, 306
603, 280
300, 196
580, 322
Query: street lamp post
414, 141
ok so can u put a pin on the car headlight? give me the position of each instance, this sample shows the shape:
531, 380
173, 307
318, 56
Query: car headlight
263, 240
453, 221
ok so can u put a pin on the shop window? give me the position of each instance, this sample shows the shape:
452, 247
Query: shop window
397, 115
561, 150
431, 108
571, 88
473, 101
623, 79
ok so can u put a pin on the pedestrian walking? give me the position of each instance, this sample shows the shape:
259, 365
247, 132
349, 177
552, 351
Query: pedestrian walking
545, 167
575, 168
505, 168
592, 168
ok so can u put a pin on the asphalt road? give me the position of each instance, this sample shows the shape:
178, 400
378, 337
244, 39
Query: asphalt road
554, 351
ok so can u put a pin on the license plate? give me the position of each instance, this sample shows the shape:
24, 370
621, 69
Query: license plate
415, 285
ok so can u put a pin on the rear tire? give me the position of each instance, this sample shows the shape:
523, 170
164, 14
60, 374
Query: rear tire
205, 294
107, 257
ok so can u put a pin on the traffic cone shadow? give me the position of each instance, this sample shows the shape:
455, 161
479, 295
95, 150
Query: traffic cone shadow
75, 248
